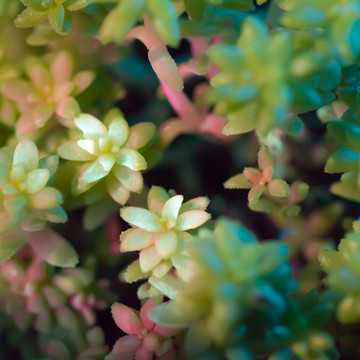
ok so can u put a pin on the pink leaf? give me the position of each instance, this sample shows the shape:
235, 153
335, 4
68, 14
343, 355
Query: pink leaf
145, 309
126, 319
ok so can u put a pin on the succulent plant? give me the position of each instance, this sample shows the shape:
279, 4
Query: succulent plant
109, 152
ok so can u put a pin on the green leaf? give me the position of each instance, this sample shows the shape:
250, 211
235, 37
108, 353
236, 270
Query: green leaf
342, 160
196, 9
192, 219
171, 207
118, 23
135, 240
46, 198
96, 214
157, 197
278, 188
10, 244
227, 57
118, 131
50, 163
166, 244
330, 260
131, 159
131, 179
90, 126
141, 218
240, 5
60, 19
165, 20
75, 5
26, 155
238, 182
169, 315
241, 121
117, 191
93, 173
140, 135
29, 18
346, 133
36, 180
55, 215
72, 151
168, 285
133, 272
53, 248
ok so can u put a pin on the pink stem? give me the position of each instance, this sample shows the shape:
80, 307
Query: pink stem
183, 107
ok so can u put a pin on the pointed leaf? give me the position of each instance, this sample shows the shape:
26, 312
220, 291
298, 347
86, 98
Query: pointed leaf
26, 155
171, 207
36, 180
93, 173
166, 244
71, 151
141, 218
131, 179
135, 239
46, 198
192, 219
278, 188
140, 135
90, 126
157, 198
118, 131
237, 182
149, 258
131, 159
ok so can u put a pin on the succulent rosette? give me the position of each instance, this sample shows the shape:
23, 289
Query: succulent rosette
342, 267
264, 78
145, 339
49, 89
58, 12
27, 199
160, 235
339, 20
109, 152
260, 180
232, 272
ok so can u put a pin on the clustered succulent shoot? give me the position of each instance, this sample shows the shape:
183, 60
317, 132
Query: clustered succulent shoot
179, 179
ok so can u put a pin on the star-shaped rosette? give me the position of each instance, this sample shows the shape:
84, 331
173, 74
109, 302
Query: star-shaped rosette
109, 150
27, 199
58, 12
259, 181
145, 339
49, 89
161, 232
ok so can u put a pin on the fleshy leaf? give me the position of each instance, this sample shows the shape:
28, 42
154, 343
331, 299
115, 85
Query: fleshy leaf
278, 188
237, 182
90, 126
37, 179
53, 248
131, 159
166, 244
192, 219
135, 239
140, 134
26, 155
141, 218
171, 207
157, 197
